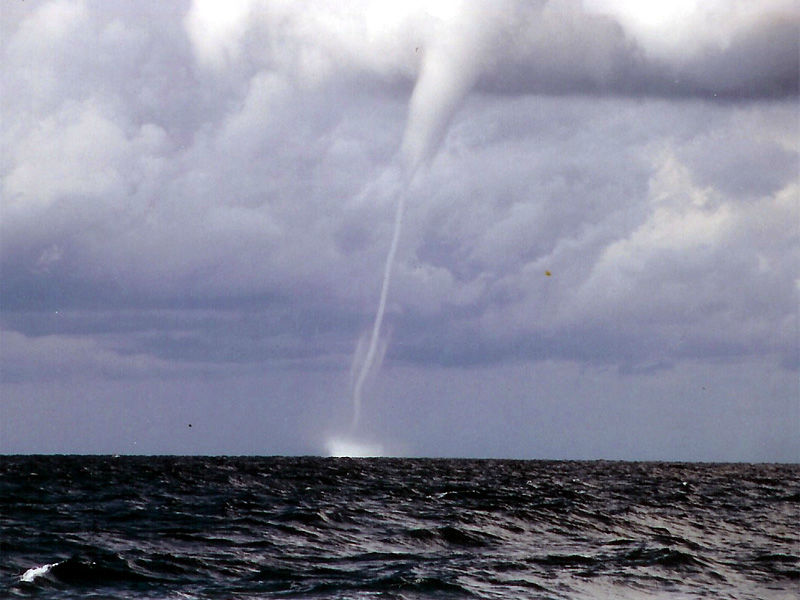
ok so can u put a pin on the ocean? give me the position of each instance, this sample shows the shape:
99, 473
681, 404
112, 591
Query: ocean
313, 528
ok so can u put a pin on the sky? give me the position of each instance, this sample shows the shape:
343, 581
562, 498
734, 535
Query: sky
596, 255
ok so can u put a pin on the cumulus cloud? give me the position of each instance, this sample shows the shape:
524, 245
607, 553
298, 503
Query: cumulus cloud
241, 156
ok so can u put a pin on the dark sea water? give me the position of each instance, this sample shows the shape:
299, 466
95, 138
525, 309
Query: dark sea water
181, 527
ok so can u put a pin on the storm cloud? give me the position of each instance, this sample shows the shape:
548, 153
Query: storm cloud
203, 191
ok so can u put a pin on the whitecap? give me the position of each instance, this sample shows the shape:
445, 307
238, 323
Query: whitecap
31, 575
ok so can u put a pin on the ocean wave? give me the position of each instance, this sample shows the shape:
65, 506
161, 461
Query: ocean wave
242, 528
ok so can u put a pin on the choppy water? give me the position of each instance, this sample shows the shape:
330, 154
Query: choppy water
173, 527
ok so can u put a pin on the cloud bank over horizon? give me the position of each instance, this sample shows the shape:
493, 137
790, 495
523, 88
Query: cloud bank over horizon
199, 191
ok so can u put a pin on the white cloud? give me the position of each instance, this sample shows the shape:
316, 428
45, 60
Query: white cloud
215, 29
76, 152
681, 29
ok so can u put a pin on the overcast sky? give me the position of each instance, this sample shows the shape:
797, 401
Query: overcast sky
598, 257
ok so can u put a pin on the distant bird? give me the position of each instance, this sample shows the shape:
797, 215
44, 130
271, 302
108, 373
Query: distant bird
548, 273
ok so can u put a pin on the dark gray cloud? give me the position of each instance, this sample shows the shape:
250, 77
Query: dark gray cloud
558, 48
195, 194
